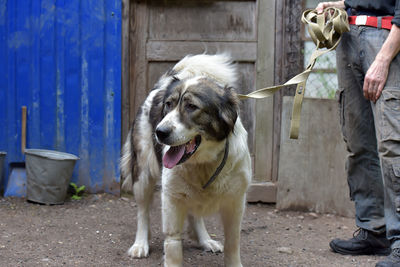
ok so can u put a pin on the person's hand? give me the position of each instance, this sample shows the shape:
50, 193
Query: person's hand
377, 74
375, 80
321, 6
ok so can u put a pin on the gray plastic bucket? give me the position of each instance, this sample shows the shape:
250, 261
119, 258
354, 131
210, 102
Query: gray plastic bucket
48, 175
2, 157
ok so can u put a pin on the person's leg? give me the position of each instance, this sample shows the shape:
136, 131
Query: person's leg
387, 121
388, 110
362, 165
388, 131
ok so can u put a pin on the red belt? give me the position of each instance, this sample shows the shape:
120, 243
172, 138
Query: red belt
377, 22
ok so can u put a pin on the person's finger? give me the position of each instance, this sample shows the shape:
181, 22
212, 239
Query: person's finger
379, 91
320, 8
371, 90
365, 88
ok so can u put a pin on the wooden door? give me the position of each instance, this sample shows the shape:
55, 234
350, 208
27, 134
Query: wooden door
158, 33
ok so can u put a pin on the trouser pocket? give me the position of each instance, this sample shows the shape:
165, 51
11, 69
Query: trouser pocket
396, 186
390, 108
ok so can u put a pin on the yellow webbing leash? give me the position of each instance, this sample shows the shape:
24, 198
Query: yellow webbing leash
325, 30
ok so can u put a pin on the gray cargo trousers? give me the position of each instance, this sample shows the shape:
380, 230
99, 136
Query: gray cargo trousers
371, 132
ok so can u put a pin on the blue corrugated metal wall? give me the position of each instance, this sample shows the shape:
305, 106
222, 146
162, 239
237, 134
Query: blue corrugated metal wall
62, 59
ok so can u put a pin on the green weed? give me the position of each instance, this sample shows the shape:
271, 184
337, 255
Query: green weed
77, 192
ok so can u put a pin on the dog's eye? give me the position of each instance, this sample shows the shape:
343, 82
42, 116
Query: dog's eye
168, 104
191, 107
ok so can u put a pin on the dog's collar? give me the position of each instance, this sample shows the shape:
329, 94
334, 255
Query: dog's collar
220, 167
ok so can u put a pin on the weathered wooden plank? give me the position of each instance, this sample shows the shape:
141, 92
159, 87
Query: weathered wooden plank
265, 77
156, 69
279, 79
203, 21
138, 63
125, 69
175, 50
292, 43
247, 107
288, 63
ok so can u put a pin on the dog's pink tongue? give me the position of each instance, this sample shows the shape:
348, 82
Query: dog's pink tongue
173, 156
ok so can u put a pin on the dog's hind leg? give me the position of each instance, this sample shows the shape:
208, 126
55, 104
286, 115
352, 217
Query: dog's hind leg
201, 235
143, 191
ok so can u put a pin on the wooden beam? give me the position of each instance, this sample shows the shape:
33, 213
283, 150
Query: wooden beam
125, 120
264, 77
176, 50
138, 63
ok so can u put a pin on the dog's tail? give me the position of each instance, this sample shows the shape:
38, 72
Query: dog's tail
126, 164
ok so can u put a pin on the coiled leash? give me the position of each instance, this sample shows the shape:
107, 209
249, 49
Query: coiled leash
325, 30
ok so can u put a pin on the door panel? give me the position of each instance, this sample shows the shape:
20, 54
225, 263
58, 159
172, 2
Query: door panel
202, 21
163, 32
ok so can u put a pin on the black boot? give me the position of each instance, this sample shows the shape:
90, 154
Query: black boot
363, 242
393, 260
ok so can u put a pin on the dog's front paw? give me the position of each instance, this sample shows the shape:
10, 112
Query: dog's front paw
212, 245
139, 250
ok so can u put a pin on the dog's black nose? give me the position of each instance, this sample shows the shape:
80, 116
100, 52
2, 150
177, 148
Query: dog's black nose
163, 133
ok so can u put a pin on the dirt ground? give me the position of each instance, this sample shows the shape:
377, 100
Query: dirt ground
98, 230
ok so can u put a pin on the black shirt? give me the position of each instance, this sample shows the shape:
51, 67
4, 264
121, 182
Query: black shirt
375, 8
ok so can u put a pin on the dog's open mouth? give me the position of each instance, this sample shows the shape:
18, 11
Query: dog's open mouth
179, 154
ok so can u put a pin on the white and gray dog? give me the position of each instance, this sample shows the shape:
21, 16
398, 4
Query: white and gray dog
188, 131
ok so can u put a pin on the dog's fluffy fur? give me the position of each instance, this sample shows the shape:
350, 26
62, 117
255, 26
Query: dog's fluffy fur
180, 134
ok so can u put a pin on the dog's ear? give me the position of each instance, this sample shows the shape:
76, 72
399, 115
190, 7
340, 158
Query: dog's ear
229, 109
156, 111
